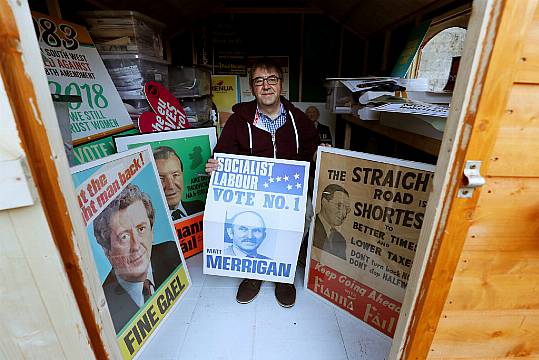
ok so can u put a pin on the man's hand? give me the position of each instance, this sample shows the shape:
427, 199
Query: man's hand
211, 166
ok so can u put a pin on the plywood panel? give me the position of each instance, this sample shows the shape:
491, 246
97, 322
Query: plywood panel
506, 217
497, 263
528, 65
492, 309
466, 335
495, 280
487, 335
87, 328
494, 292
516, 152
22, 337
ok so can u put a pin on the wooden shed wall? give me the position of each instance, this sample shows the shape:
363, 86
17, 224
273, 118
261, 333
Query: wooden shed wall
492, 310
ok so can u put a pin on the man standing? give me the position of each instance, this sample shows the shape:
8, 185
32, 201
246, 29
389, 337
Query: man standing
247, 231
124, 229
270, 126
170, 169
334, 208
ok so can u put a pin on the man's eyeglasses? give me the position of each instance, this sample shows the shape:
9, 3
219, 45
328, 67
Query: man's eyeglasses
272, 80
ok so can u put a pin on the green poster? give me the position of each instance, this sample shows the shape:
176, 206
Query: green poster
407, 55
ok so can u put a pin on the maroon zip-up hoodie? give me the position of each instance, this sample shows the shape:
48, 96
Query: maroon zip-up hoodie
235, 136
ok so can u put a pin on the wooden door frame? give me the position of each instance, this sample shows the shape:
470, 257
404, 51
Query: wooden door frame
480, 96
493, 42
23, 74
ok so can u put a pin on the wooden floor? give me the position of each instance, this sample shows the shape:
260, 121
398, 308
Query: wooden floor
210, 324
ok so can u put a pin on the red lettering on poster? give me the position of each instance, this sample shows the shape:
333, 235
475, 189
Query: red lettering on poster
365, 303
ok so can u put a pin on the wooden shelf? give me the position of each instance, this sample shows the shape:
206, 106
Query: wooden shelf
423, 143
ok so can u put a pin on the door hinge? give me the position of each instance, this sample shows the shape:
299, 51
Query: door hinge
472, 179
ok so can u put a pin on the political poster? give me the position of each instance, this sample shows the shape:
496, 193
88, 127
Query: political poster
168, 113
406, 57
135, 248
322, 119
368, 213
254, 218
225, 92
181, 157
73, 67
97, 149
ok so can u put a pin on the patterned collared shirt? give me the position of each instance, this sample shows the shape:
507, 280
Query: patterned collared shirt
269, 124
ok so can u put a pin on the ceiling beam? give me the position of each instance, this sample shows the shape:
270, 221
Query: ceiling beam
98, 4
418, 13
350, 11
266, 10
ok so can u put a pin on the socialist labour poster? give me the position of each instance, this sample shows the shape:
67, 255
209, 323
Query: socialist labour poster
181, 158
74, 67
134, 245
362, 241
254, 218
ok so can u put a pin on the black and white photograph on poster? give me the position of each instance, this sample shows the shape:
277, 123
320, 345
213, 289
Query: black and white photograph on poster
369, 211
254, 217
322, 119
246, 235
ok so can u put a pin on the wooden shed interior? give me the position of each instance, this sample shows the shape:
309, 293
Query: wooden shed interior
322, 40
484, 250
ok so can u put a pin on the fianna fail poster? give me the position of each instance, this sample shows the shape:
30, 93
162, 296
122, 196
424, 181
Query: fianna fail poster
368, 214
181, 158
74, 67
133, 242
255, 213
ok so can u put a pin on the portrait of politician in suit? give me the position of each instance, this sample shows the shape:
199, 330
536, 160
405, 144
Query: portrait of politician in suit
125, 231
247, 231
313, 114
334, 208
170, 169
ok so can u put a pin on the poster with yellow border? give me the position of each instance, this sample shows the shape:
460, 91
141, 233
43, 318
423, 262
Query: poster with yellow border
134, 244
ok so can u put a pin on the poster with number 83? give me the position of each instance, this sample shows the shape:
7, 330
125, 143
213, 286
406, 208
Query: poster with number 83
73, 67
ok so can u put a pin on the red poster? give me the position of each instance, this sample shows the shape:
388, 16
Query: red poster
190, 235
365, 303
169, 114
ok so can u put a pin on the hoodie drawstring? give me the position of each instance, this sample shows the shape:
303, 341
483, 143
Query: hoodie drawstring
275, 155
250, 139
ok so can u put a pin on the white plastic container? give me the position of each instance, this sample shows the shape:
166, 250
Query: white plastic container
125, 32
339, 99
189, 81
198, 110
129, 73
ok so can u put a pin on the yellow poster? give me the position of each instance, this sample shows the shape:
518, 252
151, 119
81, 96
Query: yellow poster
226, 93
